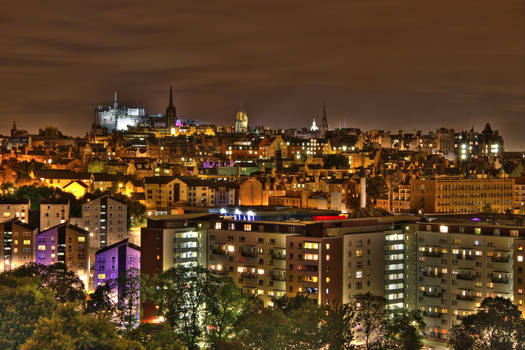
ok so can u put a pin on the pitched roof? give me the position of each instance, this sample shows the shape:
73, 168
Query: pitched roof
114, 245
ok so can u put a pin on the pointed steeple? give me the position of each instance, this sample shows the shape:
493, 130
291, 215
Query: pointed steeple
171, 96
171, 112
115, 102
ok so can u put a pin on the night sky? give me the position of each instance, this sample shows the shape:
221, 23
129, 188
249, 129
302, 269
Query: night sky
392, 64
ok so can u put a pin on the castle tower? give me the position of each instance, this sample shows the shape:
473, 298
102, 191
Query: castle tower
241, 121
171, 112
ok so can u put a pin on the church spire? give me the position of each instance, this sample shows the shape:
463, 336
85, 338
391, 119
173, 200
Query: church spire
171, 96
115, 103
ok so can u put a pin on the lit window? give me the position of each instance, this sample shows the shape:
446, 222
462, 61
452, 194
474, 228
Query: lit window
443, 229
520, 258
247, 227
359, 252
260, 271
230, 248
81, 239
327, 257
41, 247
311, 245
101, 276
27, 242
359, 274
311, 257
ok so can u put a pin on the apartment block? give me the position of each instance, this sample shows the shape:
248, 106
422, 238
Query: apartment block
448, 194
105, 218
67, 244
458, 265
17, 244
15, 209
53, 212
170, 241
115, 261
252, 253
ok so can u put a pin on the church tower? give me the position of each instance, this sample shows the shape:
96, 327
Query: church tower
241, 121
171, 112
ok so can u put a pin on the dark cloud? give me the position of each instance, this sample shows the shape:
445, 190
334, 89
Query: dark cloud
401, 64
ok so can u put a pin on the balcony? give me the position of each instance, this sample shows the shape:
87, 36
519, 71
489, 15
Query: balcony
218, 251
502, 280
501, 259
466, 297
277, 277
433, 275
433, 254
248, 274
431, 294
278, 256
466, 277
432, 314
465, 256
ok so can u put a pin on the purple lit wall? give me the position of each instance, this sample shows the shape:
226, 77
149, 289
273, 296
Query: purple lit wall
115, 261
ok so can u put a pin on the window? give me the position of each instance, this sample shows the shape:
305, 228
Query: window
443, 229
27, 242
359, 274
101, 276
520, 258
247, 227
311, 257
81, 239
311, 245
41, 247
477, 230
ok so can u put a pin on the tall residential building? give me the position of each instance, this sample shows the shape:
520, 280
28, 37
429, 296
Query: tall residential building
459, 263
53, 212
115, 261
454, 194
170, 241
15, 209
17, 244
67, 244
105, 218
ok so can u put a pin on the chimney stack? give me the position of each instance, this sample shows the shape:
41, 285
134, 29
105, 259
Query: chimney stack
362, 185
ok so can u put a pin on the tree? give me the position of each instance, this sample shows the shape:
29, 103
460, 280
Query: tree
101, 300
155, 336
128, 306
365, 317
180, 294
223, 307
376, 187
261, 328
404, 330
338, 161
69, 328
22, 303
496, 325
65, 285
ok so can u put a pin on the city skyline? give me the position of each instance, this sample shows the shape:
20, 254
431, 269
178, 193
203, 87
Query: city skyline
383, 70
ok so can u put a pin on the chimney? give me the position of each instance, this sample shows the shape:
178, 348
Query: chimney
362, 185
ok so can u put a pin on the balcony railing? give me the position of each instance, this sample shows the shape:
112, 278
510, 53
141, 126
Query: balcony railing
465, 277
501, 259
466, 297
248, 275
433, 254
502, 280
431, 294
278, 256
465, 257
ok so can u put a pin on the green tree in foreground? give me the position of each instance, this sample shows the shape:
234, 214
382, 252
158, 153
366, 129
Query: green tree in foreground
69, 328
155, 336
65, 285
22, 303
404, 330
496, 325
